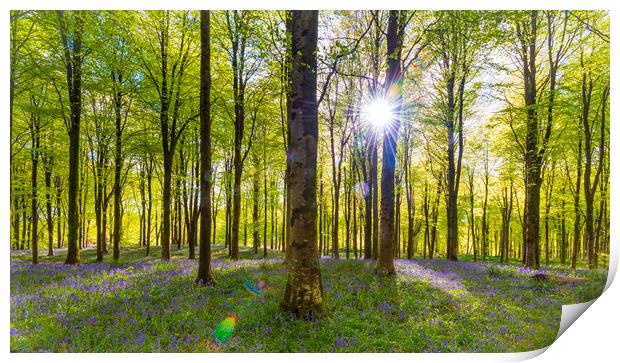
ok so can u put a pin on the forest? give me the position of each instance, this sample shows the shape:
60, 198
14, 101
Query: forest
320, 181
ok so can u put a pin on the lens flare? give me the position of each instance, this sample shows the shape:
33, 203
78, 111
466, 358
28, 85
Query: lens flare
254, 290
362, 188
225, 329
379, 113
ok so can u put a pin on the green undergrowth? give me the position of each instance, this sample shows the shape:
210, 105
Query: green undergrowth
145, 305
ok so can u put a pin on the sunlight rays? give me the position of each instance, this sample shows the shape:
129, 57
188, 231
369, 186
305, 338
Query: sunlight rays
381, 112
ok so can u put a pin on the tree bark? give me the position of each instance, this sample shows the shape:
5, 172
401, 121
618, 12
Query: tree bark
149, 182
35, 131
255, 212
577, 209
304, 292
73, 63
48, 194
385, 262
533, 151
204, 263
58, 186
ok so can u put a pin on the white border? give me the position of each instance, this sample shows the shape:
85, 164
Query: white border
594, 336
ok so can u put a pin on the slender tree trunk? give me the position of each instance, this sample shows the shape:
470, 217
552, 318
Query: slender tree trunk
548, 196
59, 219
506, 213
265, 210
165, 232
35, 129
347, 216
425, 206
98, 204
367, 192
374, 189
485, 226
409, 194
321, 228
354, 197
50, 216
24, 222
563, 239
104, 219
118, 164
27, 230
577, 208
149, 183
255, 212
434, 216
274, 233
16, 219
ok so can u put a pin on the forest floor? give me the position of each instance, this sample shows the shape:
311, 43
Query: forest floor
144, 305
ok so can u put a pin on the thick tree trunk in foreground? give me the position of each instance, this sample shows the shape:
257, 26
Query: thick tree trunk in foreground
73, 63
304, 291
385, 261
534, 152
204, 262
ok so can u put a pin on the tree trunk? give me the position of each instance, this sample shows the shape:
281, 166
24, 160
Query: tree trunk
204, 263
533, 159
577, 208
425, 207
354, 237
304, 292
374, 189
255, 212
16, 219
434, 216
165, 229
265, 210
149, 182
104, 219
385, 262
58, 186
485, 226
368, 207
98, 204
347, 215
50, 216
35, 129
73, 63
